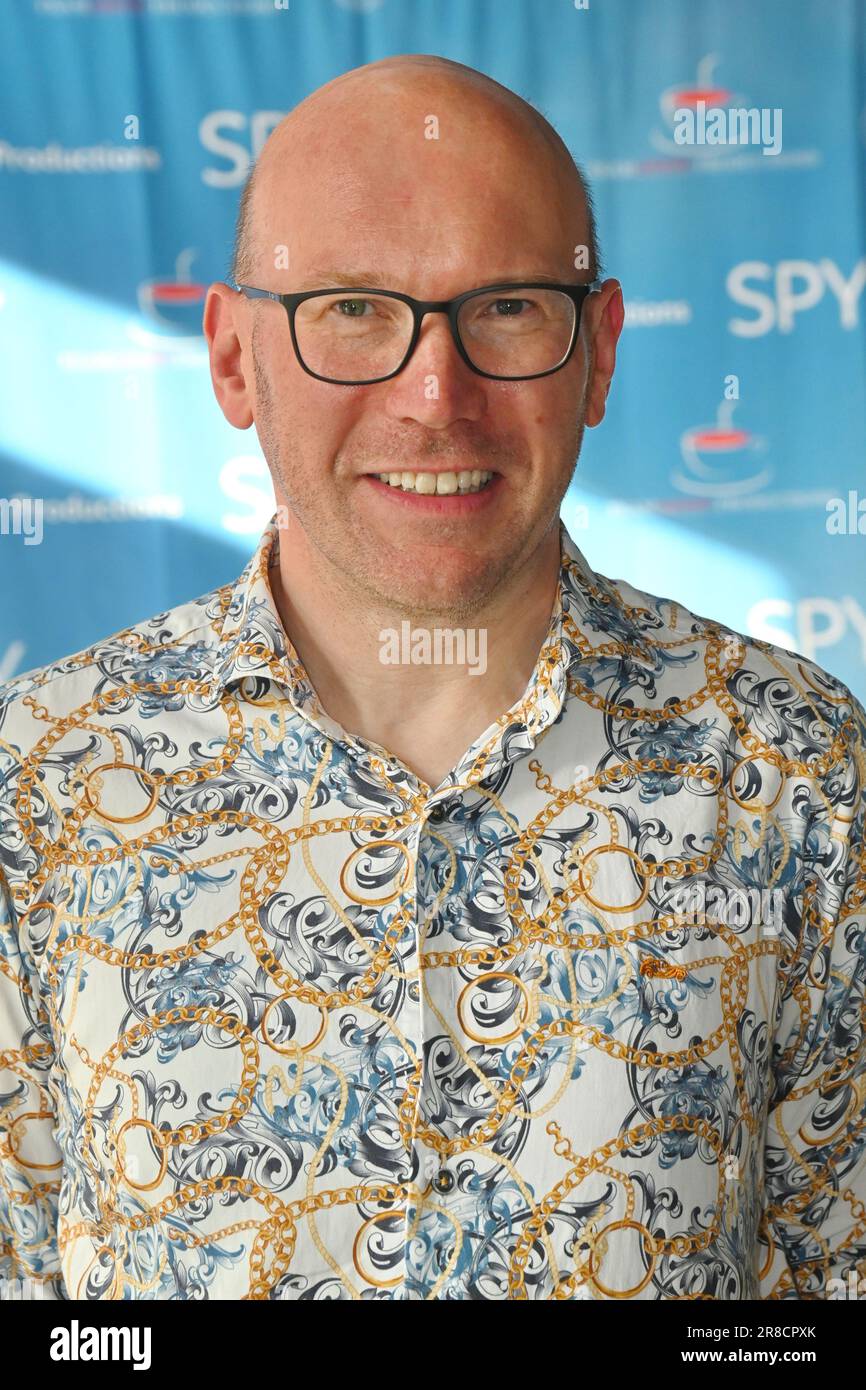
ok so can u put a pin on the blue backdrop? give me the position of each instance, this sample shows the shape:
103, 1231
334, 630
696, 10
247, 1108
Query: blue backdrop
731, 470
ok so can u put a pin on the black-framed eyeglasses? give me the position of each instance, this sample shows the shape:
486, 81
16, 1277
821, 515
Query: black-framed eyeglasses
357, 336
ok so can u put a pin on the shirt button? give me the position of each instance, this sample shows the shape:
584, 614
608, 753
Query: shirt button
443, 1181
437, 813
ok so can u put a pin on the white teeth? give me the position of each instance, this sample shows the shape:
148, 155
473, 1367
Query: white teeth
442, 484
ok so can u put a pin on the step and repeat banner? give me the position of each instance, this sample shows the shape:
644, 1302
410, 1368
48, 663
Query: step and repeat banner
726, 146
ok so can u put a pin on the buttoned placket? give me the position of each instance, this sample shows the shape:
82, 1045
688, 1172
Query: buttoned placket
431, 1171
429, 1177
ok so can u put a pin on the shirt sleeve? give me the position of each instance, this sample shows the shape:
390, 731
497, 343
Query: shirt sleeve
30, 1159
814, 1216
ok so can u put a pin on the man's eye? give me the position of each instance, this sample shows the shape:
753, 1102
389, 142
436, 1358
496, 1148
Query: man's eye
509, 308
352, 308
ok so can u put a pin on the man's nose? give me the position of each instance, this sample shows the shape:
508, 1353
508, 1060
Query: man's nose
436, 386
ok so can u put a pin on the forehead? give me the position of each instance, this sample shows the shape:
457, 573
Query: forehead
398, 225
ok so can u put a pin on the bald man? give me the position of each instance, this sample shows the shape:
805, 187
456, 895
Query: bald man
424, 915
349, 190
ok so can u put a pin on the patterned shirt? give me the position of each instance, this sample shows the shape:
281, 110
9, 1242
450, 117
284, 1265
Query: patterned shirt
280, 1020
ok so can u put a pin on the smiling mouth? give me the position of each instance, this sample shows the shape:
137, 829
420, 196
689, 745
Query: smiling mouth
439, 484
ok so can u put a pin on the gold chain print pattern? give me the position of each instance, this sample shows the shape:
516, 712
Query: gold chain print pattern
280, 1021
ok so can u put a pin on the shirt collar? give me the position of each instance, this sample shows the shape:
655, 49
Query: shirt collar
253, 642
593, 636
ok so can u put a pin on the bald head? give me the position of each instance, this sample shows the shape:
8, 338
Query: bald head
426, 180
374, 110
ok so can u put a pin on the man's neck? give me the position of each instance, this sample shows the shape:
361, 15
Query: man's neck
404, 694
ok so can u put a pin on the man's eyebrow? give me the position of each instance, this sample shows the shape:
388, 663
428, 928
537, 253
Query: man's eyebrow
324, 279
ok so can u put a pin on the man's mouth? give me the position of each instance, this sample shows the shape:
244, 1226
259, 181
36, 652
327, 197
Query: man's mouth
439, 484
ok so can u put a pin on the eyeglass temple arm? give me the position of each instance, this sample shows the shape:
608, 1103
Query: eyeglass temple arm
257, 294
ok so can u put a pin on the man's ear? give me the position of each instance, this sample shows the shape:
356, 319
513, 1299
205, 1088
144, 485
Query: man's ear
604, 314
222, 310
